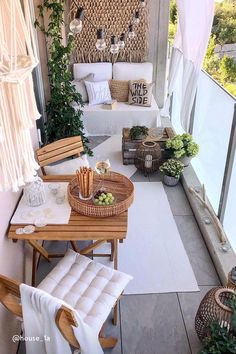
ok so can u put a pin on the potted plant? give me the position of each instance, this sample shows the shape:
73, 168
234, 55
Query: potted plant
138, 132
172, 169
221, 339
63, 120
182, 147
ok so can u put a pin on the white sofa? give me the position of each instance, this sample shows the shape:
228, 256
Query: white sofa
99, 121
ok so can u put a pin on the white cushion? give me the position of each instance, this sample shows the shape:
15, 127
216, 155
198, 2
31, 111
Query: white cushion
67, 167
133, 71
98, 92
89, 287
80, 86
102, 71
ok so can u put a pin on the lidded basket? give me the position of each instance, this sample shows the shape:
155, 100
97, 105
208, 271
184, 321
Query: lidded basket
148, 157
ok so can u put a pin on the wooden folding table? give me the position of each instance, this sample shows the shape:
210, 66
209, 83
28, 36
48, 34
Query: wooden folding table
80, 228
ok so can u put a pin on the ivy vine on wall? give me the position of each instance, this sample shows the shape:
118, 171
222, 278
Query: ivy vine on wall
63, 120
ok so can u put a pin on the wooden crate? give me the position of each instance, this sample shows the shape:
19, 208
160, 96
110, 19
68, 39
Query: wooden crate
129, 146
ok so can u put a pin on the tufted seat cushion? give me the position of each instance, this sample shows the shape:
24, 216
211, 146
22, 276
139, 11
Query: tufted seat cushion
89, 287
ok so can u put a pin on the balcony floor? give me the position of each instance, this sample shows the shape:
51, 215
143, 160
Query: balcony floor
159, 323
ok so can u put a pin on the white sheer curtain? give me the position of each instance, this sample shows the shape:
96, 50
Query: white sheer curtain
195, 19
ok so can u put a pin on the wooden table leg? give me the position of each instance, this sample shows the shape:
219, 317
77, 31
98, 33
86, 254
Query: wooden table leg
115, 251
112, 251
115, 315
115, 245
75, 246
34, 267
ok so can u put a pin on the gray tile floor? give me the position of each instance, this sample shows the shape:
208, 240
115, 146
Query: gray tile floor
160, 323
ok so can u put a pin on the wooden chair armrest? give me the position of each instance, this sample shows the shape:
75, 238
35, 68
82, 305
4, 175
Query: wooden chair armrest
64, 320
10, 295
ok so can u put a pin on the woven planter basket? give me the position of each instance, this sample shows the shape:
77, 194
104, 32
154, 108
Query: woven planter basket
214, 308
231, 284
120, 186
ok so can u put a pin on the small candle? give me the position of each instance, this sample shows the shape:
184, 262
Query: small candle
148, 161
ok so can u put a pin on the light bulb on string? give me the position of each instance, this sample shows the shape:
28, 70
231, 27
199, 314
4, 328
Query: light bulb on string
136, 18
131, 34
101, 43
121, 42
142, 3
114, 45
76, 25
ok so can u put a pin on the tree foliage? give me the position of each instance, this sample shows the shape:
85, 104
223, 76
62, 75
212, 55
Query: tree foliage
223, 32
62, 118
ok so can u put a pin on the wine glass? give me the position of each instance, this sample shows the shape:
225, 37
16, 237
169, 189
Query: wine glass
102, 167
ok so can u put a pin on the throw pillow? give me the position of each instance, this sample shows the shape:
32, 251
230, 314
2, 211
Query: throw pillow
140, 93
67, 167
80, 86
119, 90
98, 92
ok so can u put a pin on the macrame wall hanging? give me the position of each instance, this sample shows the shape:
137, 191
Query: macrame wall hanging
114, 16
18, 109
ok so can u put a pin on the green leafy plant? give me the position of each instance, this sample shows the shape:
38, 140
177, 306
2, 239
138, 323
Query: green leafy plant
138, 131
182, 145
221, 340
63, 120
172, 168
228, 69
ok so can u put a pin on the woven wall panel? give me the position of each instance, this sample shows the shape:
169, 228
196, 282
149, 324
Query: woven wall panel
115, 16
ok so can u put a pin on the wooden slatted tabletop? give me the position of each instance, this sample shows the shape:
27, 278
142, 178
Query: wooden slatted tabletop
80, 227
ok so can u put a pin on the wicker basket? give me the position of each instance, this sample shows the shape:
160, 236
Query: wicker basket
214, 308
120, 186
231, 284
148, 157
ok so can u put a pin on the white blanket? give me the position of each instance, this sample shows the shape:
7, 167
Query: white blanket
41, 332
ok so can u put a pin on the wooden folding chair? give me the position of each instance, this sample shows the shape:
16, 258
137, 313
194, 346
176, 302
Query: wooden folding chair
65, 319
58, 151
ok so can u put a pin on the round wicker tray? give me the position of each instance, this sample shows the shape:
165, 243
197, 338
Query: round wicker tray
120, 186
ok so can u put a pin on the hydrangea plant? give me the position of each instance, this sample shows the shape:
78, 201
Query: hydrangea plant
172, 168
182, 145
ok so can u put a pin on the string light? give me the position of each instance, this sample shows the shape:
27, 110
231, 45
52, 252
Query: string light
121, 42
101, 43
114, 45
76, 26
136, 19
131, 34
142, 3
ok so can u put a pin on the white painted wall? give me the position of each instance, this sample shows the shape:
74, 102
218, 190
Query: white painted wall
12, 263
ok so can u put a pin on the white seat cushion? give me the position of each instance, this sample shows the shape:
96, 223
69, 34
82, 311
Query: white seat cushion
89, 287
133, 71
67, 167
101, 71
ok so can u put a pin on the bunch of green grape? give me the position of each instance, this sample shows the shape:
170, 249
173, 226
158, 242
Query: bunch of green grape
103, 198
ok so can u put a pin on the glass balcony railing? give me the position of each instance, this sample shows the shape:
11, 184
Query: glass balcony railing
213, 122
